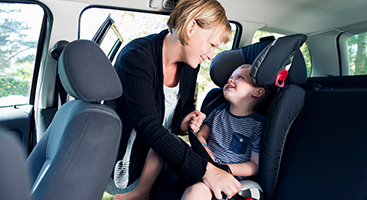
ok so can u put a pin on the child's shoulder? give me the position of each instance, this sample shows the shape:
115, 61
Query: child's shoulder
223, 106
220, 109
258, 116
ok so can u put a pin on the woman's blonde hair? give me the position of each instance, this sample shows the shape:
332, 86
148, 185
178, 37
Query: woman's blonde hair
208, 14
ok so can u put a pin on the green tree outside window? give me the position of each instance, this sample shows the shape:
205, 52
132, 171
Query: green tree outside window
357, 48
18, 42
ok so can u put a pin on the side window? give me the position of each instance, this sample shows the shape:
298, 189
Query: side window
19, 33
131, 25
357, 51
304, 48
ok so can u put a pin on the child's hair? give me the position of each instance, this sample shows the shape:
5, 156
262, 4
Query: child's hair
208, 14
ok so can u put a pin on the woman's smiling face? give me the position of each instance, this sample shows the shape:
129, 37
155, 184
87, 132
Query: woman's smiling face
201, 44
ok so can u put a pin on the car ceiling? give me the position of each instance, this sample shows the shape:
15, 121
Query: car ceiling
282, 16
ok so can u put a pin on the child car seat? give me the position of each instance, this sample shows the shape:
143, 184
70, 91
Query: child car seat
273, 62
224, 64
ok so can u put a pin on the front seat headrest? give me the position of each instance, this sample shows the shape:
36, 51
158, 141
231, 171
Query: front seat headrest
86, 73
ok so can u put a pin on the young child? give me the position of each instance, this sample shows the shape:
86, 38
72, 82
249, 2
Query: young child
231, 133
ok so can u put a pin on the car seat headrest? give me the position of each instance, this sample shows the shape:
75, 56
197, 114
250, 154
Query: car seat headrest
298, 71
226, 62
86, 73
269, 62
274, 58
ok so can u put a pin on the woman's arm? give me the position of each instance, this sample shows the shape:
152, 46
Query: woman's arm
247, 168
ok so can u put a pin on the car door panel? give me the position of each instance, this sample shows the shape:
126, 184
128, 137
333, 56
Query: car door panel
18, 120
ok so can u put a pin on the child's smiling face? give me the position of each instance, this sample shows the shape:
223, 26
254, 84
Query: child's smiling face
239, 86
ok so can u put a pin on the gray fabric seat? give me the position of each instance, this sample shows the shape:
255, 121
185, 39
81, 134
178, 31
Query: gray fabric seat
75, 157
13, 173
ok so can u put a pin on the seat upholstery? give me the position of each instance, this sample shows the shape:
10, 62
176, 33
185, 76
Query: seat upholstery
283, 110
324, 155
75, 157
14, 175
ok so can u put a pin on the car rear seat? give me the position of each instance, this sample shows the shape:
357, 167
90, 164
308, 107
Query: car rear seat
325, 152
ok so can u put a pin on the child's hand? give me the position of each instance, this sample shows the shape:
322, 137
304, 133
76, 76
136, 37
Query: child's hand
197, 121
194, 120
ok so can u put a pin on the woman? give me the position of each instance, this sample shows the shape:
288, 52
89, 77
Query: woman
158, 74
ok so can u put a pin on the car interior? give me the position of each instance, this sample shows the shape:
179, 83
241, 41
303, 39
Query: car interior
58, 140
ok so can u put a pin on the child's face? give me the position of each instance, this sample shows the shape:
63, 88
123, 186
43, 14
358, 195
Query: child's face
239, 86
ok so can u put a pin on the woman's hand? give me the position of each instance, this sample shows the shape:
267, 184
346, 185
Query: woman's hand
194, 119
221, 181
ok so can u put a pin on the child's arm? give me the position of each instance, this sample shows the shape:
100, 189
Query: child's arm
203, 136
247, 168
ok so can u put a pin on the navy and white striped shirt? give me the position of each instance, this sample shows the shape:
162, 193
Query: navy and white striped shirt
233, 137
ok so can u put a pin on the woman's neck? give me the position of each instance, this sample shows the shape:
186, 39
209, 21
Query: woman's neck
172, 49
171, 55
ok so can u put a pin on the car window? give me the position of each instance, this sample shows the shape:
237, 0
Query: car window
20, 26
131, 25
357, 51
304, 48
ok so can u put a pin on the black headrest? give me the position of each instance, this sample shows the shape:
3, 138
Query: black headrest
298, 71
268, 62
226, 62
274, 58
86, 73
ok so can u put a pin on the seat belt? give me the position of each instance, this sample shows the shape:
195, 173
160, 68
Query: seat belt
59, 89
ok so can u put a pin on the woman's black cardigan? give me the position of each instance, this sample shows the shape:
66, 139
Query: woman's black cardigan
139, 66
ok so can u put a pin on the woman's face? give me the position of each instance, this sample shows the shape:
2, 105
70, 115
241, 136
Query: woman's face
201, 44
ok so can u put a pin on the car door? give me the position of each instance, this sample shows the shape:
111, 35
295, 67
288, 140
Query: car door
22, 35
